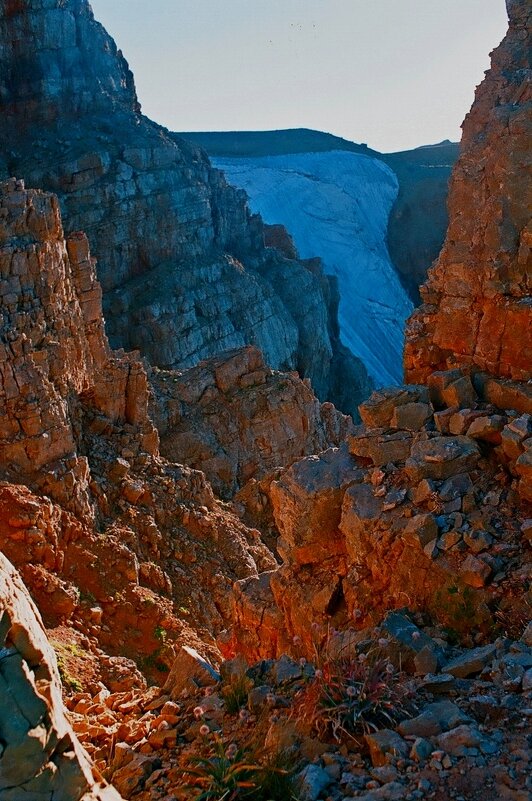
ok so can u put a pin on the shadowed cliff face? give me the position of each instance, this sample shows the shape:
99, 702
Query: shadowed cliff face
106, 514
477, 310
75, 65
180, 258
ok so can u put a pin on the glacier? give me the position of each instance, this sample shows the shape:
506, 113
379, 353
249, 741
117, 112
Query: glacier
336, 205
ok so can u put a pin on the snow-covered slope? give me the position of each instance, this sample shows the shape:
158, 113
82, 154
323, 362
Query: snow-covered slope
336, 205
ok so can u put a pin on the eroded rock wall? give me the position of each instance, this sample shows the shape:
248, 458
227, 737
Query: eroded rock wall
117, 521
476, 308
55, 362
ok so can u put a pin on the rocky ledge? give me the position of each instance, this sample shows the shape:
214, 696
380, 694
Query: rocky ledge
426, 506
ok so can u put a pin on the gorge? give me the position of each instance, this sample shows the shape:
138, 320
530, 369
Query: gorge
207, 570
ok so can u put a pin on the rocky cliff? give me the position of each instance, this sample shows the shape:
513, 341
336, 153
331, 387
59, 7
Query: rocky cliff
139, 572
476, 308
180, 258
125, 553
75, 428
236, 419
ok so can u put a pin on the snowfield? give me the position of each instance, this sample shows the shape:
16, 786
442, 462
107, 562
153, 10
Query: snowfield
336, 205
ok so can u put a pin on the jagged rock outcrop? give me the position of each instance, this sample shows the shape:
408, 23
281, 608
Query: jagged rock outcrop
424, 509
477, 309
236, 419
40, 756
180, 258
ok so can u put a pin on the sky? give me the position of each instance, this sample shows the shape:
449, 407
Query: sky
394, 74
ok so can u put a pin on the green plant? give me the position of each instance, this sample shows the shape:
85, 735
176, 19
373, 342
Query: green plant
230, 772
67, 680
458, 608
160, 634
224, 775
275, 781
87, 596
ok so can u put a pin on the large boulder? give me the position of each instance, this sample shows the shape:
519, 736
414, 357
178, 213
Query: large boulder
40, 755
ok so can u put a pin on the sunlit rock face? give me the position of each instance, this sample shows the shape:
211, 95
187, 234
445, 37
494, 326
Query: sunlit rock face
180, 257
336, 205
477, 310
55, 359
40, 756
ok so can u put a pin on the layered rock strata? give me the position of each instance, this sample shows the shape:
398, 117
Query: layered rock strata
75, 428
40, 755
181, 260
476, 310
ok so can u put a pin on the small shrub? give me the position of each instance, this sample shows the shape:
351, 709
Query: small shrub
230, 772
275, 781
160, 634
224, 775
235, 694
352, 695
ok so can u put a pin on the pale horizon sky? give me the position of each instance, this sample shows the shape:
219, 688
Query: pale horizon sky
394, 74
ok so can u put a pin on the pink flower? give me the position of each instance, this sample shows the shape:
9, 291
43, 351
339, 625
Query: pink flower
204, 730
198, 712
231, 751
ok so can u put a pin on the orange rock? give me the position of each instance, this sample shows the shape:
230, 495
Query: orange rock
476, 312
